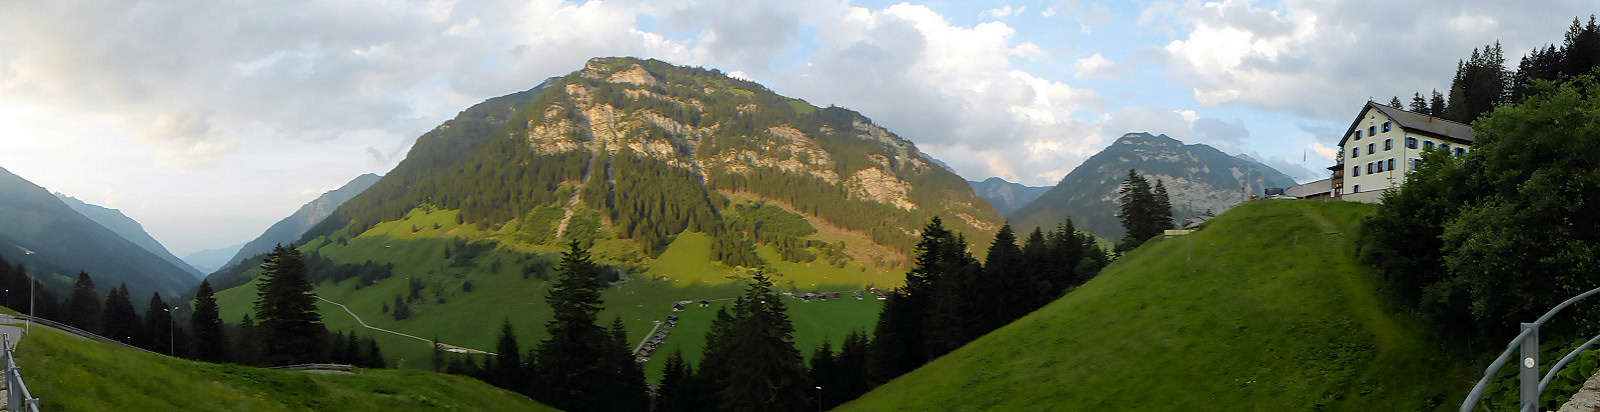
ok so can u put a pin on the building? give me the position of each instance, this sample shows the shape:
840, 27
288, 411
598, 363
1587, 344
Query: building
1318, 190
1383, 143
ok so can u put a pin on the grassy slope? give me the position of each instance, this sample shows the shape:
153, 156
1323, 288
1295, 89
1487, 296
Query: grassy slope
73, 374
501, 292
1274, 312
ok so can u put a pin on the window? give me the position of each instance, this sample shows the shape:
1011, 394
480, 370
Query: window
1442, 145
1388, 144
1372, 148
1380, 166
1358, 189
1386, 127
1355, 151
1369, 168
1415, 163
1372, 130
1391, 164
1358, 135
1411, 142
1460, 151
1427, 145
1355, 171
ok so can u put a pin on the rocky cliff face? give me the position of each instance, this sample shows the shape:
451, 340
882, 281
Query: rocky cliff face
729, 135
1198, 178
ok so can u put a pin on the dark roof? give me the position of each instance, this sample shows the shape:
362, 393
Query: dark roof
1415, 122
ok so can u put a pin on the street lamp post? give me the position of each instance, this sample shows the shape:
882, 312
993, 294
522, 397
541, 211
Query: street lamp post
172, 327
819, 399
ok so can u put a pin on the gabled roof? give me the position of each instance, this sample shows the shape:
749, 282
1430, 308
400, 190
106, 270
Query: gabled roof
1416, 123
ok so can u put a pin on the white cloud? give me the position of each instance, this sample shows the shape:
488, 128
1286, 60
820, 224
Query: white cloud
1317, 59
1002, 12
1096, 66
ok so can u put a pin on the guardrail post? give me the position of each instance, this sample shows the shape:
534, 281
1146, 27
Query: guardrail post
1530, 368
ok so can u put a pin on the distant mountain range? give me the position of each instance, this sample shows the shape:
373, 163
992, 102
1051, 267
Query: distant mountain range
1199, 178
209, 260
40, 231
129, 229
1006, 196
290, 229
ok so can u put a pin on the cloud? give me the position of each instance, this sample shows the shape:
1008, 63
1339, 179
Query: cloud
1096, 66
1272, 57
1002, 12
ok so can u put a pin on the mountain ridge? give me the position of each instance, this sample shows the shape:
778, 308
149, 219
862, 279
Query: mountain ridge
1006, 196
1198, 177
291, 228
38, 230
129, 229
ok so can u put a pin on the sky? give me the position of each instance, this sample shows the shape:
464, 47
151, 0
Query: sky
208, 120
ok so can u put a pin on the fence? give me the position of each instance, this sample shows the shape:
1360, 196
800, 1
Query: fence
17, 394
1528, 341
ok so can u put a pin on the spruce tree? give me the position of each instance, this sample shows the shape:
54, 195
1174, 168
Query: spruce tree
505, 369
574, 369
770, 375
998, 292
1395, 102
206, 325
676, 393
83, 306
121, 321
158, 326
286, 308
1419, 104
629, 393
1140, 211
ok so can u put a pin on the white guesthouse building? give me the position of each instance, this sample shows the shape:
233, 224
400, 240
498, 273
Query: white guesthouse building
1383, 143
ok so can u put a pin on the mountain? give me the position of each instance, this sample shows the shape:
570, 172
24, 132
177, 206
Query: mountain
1198, 178
657, 149
1006, 196
129, 229
40, 231
678, 179
209, 260
1266, 308
291, 228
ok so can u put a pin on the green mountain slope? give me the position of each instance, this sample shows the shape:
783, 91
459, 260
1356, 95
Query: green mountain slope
291, 228
680, 179
1198, 177
1265, 308
39, 231
129, 229
69, 373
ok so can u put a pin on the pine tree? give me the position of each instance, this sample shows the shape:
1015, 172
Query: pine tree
676, 393
574, 369
83, 306
1145, 212
770, 376
997, 292
629, 393
374, 357
1419, 104
121, 321
286, 309
206, 325
158, 326
505, 369
1395, 102
1436, 105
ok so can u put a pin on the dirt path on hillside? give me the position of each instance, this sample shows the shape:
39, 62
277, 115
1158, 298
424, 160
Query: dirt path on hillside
1359, 289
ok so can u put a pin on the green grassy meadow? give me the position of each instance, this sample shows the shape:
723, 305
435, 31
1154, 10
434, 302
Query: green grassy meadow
69, 373
1272, 312
502, 291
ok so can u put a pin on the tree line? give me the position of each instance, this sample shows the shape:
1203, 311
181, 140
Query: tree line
1481, 242
286, 328
1483, 82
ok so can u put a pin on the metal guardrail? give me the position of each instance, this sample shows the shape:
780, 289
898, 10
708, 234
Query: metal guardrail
1528, 341
17, 392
